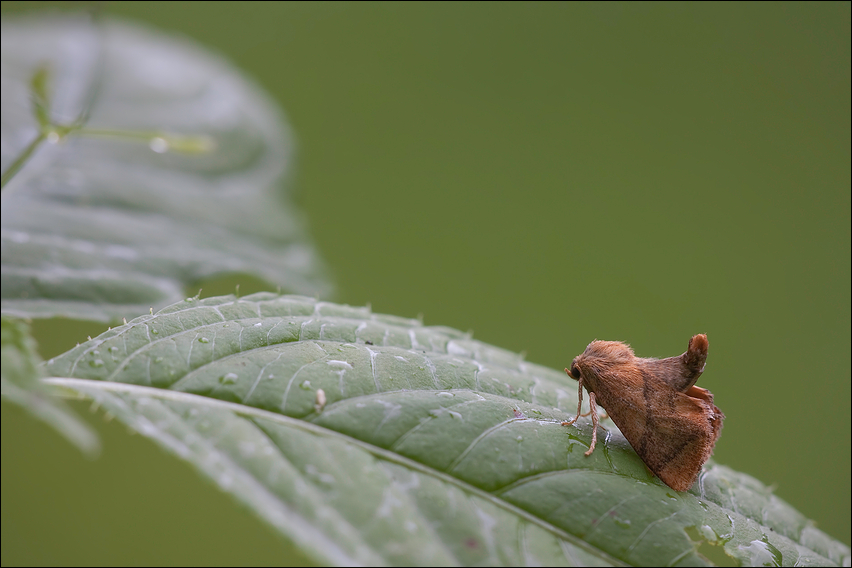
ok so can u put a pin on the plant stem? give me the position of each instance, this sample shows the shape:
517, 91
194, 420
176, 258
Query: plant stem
21, 159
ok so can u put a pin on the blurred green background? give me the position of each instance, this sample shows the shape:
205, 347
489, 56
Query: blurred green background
544, 175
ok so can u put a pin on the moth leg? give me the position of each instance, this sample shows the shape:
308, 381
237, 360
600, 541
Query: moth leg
579, 401
594, 411
603, 416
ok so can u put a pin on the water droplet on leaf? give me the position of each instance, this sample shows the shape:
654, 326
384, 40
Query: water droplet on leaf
623, 523
229, 379
159, 145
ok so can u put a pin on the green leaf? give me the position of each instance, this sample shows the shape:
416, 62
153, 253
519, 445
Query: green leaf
373, 439
19, 384
135, 165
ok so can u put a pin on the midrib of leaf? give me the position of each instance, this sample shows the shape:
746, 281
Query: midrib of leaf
304, 533
75, 386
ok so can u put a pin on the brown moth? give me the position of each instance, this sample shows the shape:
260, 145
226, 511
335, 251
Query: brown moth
672, 424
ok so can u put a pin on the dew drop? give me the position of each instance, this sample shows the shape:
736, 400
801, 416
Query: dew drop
203, 340
306, 385
708, 533
155, 332
159, 145
229, 379
158, 360
96, 363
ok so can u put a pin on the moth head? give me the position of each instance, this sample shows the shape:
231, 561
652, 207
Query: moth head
574, 371
598, 358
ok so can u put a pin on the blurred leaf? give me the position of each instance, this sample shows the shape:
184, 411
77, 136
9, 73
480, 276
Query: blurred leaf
138, 164
371, 439
19, 384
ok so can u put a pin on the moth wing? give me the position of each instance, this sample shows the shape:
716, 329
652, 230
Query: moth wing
674, 444
715, 415
678, 445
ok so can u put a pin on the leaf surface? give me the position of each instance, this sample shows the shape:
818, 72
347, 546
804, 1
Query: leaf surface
138, 164
373, 439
